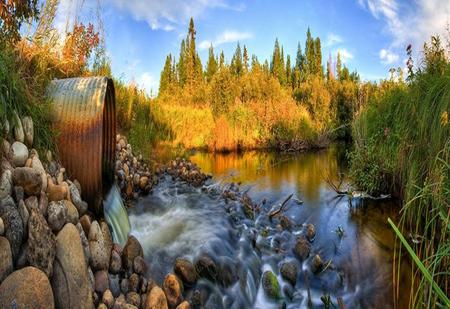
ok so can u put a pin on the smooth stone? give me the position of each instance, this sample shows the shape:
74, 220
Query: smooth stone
134, 299
76, 199
56, 215
205, 267
6, 148
114, 284
131, 250
28, 287
13, 225
18, 193
2, 227
6, 262
43, 204
289, 271
270, 285
56, 193
302, 248
184, 305
85, 243
32, 203
310, 232
156, 299
185, 270
41, 250
6, 184
72, 212
25, 215
139, 265
115, 265
29, 179
133, 282
101, 281
173, 289
98, 248
19, 154
36, 164
124, 286
317, 264
86, 222
107, 238
28, 130
108, 298
70, 280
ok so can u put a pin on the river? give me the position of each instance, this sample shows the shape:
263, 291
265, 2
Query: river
352, 235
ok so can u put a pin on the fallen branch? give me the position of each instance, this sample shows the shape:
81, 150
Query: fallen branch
276, 212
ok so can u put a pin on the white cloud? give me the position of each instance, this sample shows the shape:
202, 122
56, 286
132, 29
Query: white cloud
388, 57
412, 22
228, 36
346, 56
167, 14
333, 39
148, 83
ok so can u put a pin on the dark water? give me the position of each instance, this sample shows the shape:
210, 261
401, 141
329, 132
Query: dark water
178, 220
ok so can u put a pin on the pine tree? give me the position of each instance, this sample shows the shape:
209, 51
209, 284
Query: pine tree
211, 65
245, 59
288, 71
193, 64
266, 69
256, 66
318, 58
310, 53
166, 75
236, 62
181, 66
299, 68
330, 74
277, 63
338, 66
221, 60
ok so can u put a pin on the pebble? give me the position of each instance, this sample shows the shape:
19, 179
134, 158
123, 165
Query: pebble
19, 154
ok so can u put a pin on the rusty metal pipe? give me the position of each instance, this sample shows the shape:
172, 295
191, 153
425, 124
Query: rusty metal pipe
85, 121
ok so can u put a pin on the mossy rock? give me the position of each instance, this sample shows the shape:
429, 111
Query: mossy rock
270, 285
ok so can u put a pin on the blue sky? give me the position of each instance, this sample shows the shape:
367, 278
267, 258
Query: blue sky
371, 35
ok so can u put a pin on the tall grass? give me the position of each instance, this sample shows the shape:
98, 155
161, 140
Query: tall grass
402, 145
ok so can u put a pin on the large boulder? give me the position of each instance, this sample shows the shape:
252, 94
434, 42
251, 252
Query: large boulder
131, 250
13, 225
29, 179
56, 215
173, 289
41, 243
26, 288
18, 154
98, 247
6, 262
28, 130
5, 184
70, 280
156, 299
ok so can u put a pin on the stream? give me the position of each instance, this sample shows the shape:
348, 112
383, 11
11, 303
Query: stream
352, 238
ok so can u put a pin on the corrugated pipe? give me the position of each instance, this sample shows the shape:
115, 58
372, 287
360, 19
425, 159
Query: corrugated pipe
85, 122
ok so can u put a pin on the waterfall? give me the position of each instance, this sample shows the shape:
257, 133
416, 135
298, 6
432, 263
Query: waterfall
116, 216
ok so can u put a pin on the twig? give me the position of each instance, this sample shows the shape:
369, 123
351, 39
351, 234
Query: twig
276, 212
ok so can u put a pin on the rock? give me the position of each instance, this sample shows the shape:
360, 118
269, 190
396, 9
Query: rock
134, 299
270, 285
285, 223
76, 199
56, 192
317, 263
185, 270
227, 273
302, 248
115, 265
173, 290
288, 291
114, 284
36, 164
41, 243
24, 214
139, 265
5, 127
156, 299
18, 128
101, 281
72, 212
57, 215
107, 238
143, 182
32, 203
61, 176
205, 267
108, 299
131, 250
2, 227
136, 179
133, 282
288, 272
102, 306
183, 305
98, 248
18, 193
28, 130
124, 286
144, 285
13, 225
70, 280
22, 260
29, 179
26, 288
19, 154
6, 148
6, 184
86, 222
43, 204
85, 243
6, 262
310, 232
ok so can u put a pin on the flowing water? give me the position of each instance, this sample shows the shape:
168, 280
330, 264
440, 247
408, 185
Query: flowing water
352, 236
116, 216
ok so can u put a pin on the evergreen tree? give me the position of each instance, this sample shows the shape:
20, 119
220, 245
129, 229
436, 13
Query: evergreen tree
277, 64
310, 53
221, 60
338, 66
266, 68
255, 64
181, 66
318, 69
211, 65
166, 75
288, 71
236, 62
245, 59
299, 66
330, 74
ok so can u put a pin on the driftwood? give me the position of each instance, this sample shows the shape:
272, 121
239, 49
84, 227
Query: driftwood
276, 212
